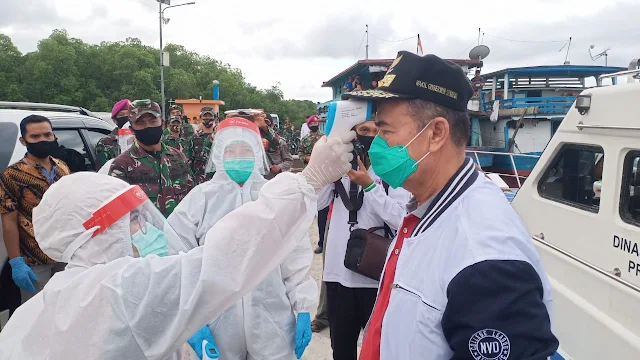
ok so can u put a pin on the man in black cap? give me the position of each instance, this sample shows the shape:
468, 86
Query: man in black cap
461, 282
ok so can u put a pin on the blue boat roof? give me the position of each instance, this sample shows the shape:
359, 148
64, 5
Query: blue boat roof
569, 71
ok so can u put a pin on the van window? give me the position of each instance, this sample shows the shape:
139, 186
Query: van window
8, 137
93, 136
73, 150
630, 194
575, 177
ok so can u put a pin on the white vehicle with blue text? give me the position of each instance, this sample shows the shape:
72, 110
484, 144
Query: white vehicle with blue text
581, 205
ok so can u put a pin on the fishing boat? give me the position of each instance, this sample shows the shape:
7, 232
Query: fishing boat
520, 109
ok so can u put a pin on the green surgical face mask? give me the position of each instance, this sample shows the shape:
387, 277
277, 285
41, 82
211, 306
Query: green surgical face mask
150, 241
239, 169
393, 164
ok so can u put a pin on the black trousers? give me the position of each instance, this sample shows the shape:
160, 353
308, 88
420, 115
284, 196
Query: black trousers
322, 224
10, 297
349, 311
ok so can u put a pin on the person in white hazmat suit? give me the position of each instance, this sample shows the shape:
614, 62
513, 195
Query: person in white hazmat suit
108, 304
125, 140
263, 324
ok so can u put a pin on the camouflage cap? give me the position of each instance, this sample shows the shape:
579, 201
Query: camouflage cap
140, 107
175, 118
175, 107
207, 110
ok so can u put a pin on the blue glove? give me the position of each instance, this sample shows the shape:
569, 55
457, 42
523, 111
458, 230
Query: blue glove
22, 274
303, 333
204, 339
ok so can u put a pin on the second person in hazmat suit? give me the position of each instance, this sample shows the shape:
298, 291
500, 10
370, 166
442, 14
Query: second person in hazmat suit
272, 321
108, 304
125, 139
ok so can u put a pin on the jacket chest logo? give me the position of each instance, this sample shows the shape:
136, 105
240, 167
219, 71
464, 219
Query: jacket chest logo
489, 344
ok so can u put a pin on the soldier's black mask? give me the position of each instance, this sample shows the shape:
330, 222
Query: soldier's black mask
120, 121
149, 135
208, 123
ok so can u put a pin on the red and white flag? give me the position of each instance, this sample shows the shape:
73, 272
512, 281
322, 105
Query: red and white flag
419, 47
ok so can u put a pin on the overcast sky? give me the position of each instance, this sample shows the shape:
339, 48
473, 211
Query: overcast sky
303, 43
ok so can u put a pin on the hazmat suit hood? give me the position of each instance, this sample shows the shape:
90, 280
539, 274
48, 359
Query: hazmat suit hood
58, 220
210, 201
234, 131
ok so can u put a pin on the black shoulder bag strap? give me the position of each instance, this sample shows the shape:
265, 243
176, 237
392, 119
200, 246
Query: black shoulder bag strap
387, 229
353, 200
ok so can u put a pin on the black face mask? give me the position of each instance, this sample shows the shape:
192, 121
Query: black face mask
149, 135
365, 141
43, 149
314, 128
121, 121
175, 127
207, 124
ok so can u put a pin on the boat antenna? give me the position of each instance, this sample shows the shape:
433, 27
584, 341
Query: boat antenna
600, 54
479, 36
366, 51
568, 45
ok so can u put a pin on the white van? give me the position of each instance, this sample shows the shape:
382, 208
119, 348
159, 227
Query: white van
581, 205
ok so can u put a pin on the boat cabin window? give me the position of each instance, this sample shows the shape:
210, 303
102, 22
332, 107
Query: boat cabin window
575, 177
630, 194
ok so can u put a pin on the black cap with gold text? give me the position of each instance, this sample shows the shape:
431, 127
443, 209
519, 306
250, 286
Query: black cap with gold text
427, 77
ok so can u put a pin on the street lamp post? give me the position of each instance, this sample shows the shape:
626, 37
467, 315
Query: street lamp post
162, 20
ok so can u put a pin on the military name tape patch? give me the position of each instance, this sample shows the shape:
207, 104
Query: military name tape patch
489, 344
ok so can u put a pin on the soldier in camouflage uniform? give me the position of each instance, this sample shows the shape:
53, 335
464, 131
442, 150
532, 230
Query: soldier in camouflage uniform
187, 129
289, 133
277, 149
107, 148
161, 171
200, 145
308, 142
175, 137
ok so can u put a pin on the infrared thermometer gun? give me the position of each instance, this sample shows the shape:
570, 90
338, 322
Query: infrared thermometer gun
343, 115
209, 351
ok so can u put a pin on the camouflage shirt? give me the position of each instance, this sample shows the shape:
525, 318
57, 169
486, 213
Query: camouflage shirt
274, 140
289, 135
200, 145
306, 145
107, 148
281, 157
187, 130
180, 143
164, 176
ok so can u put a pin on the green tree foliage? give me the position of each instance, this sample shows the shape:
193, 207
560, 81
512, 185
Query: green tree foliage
66, 70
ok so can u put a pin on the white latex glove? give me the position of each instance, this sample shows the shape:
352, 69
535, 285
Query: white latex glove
329, 161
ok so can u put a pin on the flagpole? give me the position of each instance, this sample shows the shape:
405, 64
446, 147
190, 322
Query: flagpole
417, 42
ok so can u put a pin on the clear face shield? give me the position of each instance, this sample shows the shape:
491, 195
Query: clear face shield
126, 137
150, 232
238, 148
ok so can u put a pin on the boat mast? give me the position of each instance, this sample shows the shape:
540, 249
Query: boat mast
366, 52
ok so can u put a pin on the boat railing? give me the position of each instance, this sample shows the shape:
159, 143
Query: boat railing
543, 105
519, 178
